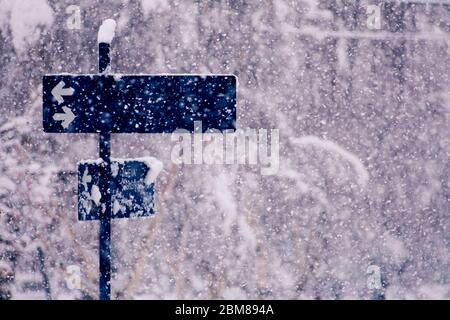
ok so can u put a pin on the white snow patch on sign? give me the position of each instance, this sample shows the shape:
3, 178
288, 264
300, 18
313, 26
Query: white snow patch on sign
97, 161
117, 207
155, 167
86, 178
106, 31
117, 76
114, 169
86, 203
96, 195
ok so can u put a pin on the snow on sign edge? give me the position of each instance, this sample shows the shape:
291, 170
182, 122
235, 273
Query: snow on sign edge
154, 165
106, 31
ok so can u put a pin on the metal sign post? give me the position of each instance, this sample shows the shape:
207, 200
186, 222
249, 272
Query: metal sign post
104, 103
104, 248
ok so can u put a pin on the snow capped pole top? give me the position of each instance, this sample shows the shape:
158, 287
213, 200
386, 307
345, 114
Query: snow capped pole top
105, 36
106, 31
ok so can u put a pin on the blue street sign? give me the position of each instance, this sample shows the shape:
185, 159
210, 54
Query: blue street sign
131, 188
106, 104
138, 103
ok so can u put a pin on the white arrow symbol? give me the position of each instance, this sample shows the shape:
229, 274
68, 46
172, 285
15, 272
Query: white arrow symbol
66, 117
58, 91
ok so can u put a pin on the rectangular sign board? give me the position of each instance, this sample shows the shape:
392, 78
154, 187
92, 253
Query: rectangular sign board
138, 103
132, 193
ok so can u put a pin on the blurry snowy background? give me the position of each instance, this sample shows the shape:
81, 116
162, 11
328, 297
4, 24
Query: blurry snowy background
359, 208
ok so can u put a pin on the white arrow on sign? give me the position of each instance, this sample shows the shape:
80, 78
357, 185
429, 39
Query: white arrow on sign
59, 91
66, 117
